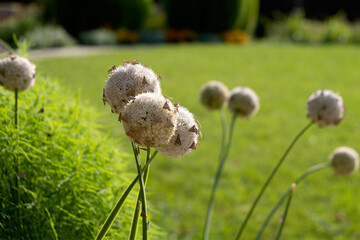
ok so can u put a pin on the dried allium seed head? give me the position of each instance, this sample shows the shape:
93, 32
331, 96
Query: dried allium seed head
149, 120
17, 72
243, 102
214, 95
344, 161
185, 138
325, 108
127, 81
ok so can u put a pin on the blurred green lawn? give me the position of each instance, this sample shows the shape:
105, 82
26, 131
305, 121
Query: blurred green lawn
324, 206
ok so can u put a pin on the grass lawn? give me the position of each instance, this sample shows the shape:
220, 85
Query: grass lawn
323, 207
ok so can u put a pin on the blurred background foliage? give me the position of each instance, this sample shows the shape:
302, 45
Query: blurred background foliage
52, 23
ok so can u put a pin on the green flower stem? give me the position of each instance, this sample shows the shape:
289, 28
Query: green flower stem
283, 197
142, 192
223, 138
115, 211
270, 178
16, 165
137, 206
222, 159
286, 211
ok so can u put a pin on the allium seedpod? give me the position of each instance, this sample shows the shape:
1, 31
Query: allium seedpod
243, 102
325, 108
17, 73
213, 95
127, 81
185, 138
344, 161
147, 122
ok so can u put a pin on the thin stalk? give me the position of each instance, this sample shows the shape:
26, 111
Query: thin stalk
223, 138
16, 120
16, 160
223, 157
142, 192
286, 211
137, 206
284, 196
115, 211
270, 178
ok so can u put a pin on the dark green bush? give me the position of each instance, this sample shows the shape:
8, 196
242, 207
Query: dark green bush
70, 174
78, 16
48, 36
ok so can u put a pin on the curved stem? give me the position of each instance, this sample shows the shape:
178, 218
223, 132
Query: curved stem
136, 216
223, 138
222, 158
115, 211
283, 197
270, 178
142, 191
286, 211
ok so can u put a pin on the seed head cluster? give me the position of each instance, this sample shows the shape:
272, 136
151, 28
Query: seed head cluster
127, 81
186, 135
17, 73
214, 95
243, 102
344, 161
149, 118
325, 108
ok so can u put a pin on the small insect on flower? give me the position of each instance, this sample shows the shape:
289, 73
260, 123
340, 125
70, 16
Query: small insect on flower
213, 95
185, 138
129, 80
243, 102
146, 121
17, 73
325, 108
344, 161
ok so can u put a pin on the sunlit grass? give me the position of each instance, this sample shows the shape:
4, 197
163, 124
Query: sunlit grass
283, 76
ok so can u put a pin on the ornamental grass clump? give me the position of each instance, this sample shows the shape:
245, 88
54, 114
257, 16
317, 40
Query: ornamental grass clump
242, 102
150, 120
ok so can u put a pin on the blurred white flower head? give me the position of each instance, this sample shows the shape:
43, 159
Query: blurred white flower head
213, 95
186, 135
325, 108
17, 73
344, 161
127, 81
243, 102
149, 119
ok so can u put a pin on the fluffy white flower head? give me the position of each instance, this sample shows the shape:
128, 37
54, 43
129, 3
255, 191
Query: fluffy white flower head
344, 161
17, 73
127, 81
244, 102
213, 95
325, 108
186, 135
149, 120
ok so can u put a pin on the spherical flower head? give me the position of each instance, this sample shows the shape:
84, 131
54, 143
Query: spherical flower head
213, 95
325, 108
17, 73
243, 102
344, 161
127, 81
186, 135
149, 120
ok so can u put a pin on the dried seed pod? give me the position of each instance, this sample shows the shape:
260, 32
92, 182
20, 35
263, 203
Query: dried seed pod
213, 95
183, 140
325, 108
17, 72
344, 161
146, 122
127, 81
243, 102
